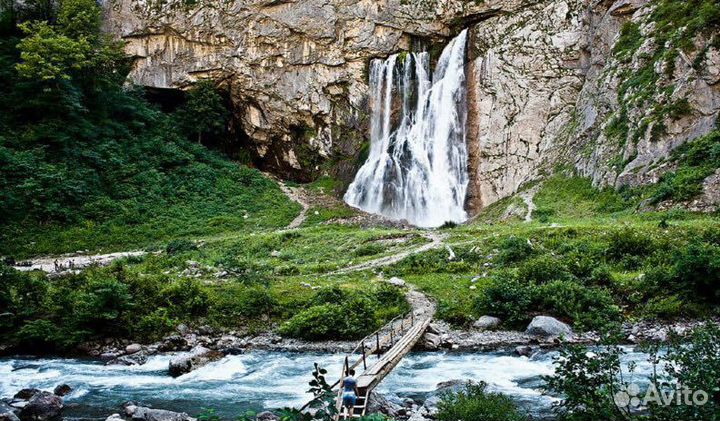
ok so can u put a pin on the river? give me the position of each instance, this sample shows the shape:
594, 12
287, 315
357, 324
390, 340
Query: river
266, 380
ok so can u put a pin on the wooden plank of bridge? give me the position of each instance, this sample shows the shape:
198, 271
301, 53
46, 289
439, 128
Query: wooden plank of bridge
373, 375
377, 372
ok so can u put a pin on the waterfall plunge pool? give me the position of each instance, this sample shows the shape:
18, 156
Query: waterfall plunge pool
268, 380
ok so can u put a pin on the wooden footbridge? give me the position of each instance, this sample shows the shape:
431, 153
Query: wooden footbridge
379, 353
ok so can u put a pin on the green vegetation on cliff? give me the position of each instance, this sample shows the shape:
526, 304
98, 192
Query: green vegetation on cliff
88, 163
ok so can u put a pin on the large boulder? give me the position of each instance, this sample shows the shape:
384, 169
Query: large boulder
133, 348
547, 326
198, 357
7, 413
42, 406
432, 341
486, 323
379, 404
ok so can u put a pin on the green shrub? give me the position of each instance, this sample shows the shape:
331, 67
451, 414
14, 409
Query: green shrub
694, 272
543, 269
154, 325
667, 308
330, 295
231, 305
180, 246
507, 299
353, 319
514, 249
369, 249
39, 335
475, 403
455, 313
315, 323
186, 298
588, 308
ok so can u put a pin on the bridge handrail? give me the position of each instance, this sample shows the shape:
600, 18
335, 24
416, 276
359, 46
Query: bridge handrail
378, 346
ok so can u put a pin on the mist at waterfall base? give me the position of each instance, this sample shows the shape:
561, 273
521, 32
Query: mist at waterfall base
416, 169
269, 380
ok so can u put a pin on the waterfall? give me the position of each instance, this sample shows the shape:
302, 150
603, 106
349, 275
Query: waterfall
417, 165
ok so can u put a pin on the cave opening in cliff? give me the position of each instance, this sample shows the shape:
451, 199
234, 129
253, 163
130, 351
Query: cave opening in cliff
231, 140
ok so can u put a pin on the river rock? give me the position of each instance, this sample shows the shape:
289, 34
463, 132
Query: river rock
524, 351
378, 403
114, 417
42, 406
133, 348
173, 343
198, 357
141, 413
7, 413
26, 394
486, 323
62, 389
547, 326
267, 416
138, 358
432, 341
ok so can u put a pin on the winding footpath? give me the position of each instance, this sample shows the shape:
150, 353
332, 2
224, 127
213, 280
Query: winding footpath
436, 241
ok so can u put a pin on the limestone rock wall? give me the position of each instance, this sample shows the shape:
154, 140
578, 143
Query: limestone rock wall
544, 81
296, 69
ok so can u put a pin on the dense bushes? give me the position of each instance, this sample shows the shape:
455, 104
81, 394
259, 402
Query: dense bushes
516, 301
346, 314
475, 403
696, 161
117, 302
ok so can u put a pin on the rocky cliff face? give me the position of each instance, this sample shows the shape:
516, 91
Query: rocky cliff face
555, 83
550, 82
295, 69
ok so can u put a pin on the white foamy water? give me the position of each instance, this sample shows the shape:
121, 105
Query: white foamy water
417, 166
268, 380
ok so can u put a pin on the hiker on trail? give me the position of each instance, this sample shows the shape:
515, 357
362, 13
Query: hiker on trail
350, 391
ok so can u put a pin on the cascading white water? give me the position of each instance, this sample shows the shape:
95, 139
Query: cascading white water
417, 166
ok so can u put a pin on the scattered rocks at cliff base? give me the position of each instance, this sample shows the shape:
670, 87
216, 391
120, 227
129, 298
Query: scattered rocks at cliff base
198, 357
547, 326
43, 406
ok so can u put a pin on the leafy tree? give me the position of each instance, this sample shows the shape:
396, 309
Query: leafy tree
204, 113
50, 56
80, 19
